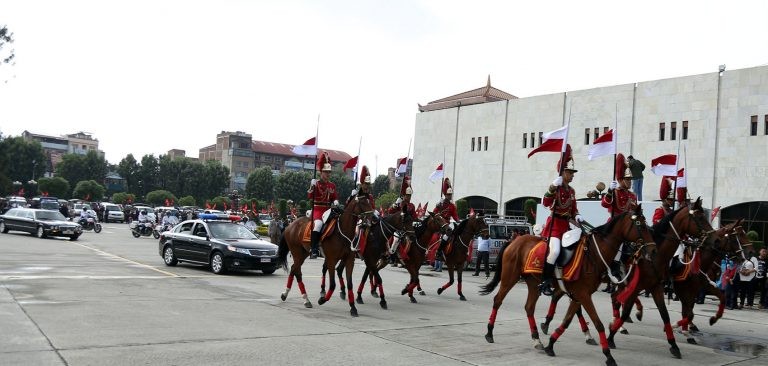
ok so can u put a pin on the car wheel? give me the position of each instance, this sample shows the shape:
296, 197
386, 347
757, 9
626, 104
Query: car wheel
217, 263
169, 257
40, 233
268, 271
3, 229
74, 237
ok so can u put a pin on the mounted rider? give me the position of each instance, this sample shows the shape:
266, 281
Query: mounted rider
323, 194
619, 200
667, 206
402, 205
447, 209
667, 196
363, 190
560, 198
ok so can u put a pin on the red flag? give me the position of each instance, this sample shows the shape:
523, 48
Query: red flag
167, 202
88, 197
471, 212
21, 192
45, 194
263, 210
309, 147
715, 211
664, 165
225, 206
553, 141
253, 206
207, 205
351, 163
402, 165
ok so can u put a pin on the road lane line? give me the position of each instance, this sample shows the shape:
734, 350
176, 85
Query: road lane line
128, 260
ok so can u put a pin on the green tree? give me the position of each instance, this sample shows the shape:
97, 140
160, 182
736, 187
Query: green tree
221, 203
282, 207
215, 178
386, 200
23, 161
128, 168
380, 185
159, 197
187, 201
261, 184
293, 185
6, 38
56, 186
148, 175
123, 198
344, 185
530, 210
89, 190
462, 208
76, 168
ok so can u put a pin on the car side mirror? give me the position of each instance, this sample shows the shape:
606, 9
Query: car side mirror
202, 235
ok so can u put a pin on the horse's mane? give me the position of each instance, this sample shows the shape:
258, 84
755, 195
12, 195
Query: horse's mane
460, 228
606, 228
421, 228
660, 229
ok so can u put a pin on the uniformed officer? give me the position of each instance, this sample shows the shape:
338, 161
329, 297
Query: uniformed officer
404, 205
447, 209
323, 193
619, 200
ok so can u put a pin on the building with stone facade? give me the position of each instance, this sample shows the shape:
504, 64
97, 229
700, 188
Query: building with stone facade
242, 155
54, 147
719, 120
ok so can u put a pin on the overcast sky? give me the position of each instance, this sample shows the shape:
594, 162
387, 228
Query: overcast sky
148, 76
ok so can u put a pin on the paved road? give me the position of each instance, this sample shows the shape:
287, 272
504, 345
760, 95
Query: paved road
109, 299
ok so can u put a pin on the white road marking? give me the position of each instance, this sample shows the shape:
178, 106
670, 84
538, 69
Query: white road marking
128, 260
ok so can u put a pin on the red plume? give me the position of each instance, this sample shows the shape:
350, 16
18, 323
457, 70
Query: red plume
406, 184
471, 212
621, 166
364, 173
323, 158
561, 164
446, 185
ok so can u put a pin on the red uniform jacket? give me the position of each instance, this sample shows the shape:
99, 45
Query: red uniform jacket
447, 210
323, 195
409, 207
659, 214
621, 201
563, 203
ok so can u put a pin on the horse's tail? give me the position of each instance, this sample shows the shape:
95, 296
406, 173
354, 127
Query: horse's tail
490, 286
282, 253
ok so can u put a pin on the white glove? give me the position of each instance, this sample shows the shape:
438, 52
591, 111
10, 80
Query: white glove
313, 182
614, 185
376, 213
399, 201
557, 182
579, 218
354, 193
336, 202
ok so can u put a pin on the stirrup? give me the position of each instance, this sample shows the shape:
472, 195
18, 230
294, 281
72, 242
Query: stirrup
545, 288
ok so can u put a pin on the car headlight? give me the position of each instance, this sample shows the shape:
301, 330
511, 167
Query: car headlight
238, 250
54, 227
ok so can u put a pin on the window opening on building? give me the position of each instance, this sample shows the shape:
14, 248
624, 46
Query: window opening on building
586, 136
486, 143
473, 144
661, 131
753, 126
685, 130
525, 141
673, 130
597, 133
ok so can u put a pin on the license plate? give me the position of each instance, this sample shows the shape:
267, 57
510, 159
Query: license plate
68, 232
265, 260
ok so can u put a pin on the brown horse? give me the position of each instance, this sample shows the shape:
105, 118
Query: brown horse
335, 246
687, 289
685, 222
417, 248
601, 244
458, 249
377, 248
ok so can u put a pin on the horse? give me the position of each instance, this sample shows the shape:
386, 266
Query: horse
685, 222
602, 243
688, 288
458, 247
377, 248
415, 249
335, 248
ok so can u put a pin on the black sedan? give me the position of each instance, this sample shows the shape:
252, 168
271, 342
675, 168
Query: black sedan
221, 244
40, 223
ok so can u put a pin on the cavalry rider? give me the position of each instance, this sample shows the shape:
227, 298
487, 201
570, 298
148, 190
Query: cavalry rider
561, 199
667, 201
402, 205
323, 193
667, 206
447, 209
618, 201
363, 190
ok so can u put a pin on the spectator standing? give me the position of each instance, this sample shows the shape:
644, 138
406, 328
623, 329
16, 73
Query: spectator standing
760, 277
483, 246
727, 283
747, 274
637, 167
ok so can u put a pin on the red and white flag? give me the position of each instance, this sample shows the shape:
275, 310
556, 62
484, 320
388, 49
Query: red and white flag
351, 164
437, 174
682, 178
402, 165
665, 165
715, 211
309, 147
553, 141
604, 145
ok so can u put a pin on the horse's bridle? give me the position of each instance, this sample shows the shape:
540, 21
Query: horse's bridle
639, 246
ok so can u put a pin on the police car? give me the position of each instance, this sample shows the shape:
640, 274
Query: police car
500, 230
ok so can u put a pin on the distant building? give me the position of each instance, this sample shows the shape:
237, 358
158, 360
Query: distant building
54, 147
242, 155
178, 153
114, 182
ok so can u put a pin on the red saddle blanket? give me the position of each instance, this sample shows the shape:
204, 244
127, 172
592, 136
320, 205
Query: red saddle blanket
534, 262
306, 239
691, 268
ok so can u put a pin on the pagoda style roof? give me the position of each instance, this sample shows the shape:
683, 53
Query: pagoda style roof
476, 96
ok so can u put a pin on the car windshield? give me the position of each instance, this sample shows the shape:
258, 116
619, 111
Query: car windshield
264, 217
225, 230
49, 205
49, 215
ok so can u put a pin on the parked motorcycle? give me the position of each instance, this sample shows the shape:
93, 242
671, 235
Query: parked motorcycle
90, 224
139, 229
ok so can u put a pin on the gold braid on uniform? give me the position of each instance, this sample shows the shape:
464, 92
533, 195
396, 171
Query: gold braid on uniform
567, 203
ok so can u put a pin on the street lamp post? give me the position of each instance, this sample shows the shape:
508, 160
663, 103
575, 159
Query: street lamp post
235, 197
32, 187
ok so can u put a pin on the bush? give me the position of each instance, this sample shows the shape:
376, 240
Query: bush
122, 198
187, 201
462, 208
159, 197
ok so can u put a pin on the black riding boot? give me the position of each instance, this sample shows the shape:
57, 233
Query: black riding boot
616, 270
546, 279
440, 249
315, 244
676, 267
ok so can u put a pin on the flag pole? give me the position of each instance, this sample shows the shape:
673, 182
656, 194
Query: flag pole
677, 164
357, 163
314, 163
442, 180
615, 152
406, 164
559, 174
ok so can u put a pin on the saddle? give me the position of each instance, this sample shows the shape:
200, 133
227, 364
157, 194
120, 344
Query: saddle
569, 260
327, 230
688, 269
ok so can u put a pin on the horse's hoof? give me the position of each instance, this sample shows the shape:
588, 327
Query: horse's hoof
440, 291
308, 305
413, 300
545, 328
489, 338
374, 294
353, 312
549, 351
675, 352
696, 329
537, 344
359, 300
322, 293
591, 342
462, 298
629, 321
422, 293
691, 341
283, 297
321, 301
342, 295
639, 316
403, 292
383, 304
611, 344
610, 362
624, 331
